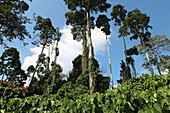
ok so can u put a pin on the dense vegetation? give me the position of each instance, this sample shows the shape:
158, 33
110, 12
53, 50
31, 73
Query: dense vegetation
145, 94
86, 89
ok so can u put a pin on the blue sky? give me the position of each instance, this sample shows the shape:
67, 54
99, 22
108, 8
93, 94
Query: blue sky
158, 10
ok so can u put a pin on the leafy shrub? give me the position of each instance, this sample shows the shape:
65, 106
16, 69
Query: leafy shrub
146, 94
9, 90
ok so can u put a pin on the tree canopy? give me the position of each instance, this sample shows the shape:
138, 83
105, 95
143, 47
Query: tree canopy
12, 21
10, 67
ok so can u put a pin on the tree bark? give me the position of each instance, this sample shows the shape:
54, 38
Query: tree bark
48, 65
109, 62
90, 51
84, 56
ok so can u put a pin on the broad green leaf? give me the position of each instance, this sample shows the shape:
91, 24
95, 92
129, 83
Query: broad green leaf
130, 106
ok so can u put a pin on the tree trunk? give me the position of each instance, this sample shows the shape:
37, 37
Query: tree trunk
90, 51
3, 77
134, 69
48, 65
127, 63
147, 56
157, 62
37, 64
52, 76
55, 63
110, 63
84, 56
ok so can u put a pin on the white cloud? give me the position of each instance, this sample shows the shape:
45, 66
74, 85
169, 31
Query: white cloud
69, 49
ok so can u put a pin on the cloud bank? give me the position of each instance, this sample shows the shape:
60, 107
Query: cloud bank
69, 49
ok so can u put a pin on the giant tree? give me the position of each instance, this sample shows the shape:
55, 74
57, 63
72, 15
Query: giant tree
45, 33
12, 21
138, 24
118, 14
103, 21
10, 67
89, 6
77, 19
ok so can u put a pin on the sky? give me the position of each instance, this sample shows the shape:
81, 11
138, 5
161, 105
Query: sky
158, 10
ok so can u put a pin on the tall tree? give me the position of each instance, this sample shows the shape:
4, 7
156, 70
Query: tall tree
118, 15
10, 67
46, 32
155, 45
138, 24
76, 76
12, 21
52, 77
103, 21
77, 19
56, 55
89, 7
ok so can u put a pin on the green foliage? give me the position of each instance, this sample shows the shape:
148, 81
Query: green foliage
134, 96
77, 69
165, 62
138, 24
77, 77
40, 84
132, 51
9, 90
118, 14
71, 91
10, 67
12, 21
45, 31
78, 21
123, 73
92, 6
156, 45
103, 21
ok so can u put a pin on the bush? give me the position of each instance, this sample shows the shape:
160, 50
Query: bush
146, 94
9, 90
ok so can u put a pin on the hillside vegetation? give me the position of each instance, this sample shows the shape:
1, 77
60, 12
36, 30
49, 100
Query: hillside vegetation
145, 94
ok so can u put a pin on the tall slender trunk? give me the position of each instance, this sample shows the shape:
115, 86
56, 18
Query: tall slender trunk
37, 64
90, 51
109, 62
55, 63
84, 56
147, 56
157, 62
48, 65
127, 63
